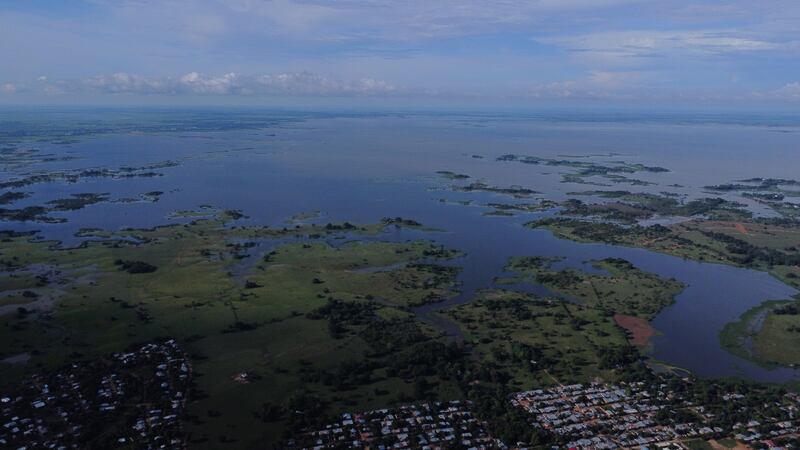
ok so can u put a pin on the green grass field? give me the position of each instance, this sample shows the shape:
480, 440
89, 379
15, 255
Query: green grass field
778, 341
541, 342
765, 335
263, 320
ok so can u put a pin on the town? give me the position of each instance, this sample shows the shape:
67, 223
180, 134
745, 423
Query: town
134, 399
635, 415
430, 426
138, 399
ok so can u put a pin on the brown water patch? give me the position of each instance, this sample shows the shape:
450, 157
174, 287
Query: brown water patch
639, 330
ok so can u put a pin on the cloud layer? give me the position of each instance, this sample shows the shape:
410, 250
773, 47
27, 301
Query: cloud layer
631, 49
200, 84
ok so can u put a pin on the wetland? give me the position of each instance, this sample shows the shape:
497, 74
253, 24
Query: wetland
321, 256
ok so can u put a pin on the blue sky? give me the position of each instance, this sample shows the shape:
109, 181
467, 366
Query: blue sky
494, 51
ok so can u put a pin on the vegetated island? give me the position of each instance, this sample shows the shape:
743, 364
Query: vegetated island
770, 192
631, 296
585, 170
480, 186
73, 176
452, 175
43, 213
630, 207
763, 244
510, 209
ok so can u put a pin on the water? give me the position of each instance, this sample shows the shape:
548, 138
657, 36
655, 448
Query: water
360, 169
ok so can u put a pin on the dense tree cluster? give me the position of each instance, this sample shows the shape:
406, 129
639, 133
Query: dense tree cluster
633, 207
609, 232
341, 314
792, 309
747, 253
135, 266
400, 222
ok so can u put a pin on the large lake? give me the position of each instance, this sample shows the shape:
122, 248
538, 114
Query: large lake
360, 168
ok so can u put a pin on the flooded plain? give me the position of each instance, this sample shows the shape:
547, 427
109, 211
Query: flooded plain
361, 168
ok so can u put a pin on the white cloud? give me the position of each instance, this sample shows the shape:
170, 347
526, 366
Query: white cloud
791, 90
557, 89
608, 79
310, 83
426, 48
196, 83
787, 92
596, 84
642, 44
126, 83
8, 88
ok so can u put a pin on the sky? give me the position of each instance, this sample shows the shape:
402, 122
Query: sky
400, 51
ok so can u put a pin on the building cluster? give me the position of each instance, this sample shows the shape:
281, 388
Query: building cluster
604, 416
135, 399
580, 417
427, 426
769, 429
600, 416
138, 399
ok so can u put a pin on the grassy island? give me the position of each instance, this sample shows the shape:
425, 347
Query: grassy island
769, 245
623, 289
628, 207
